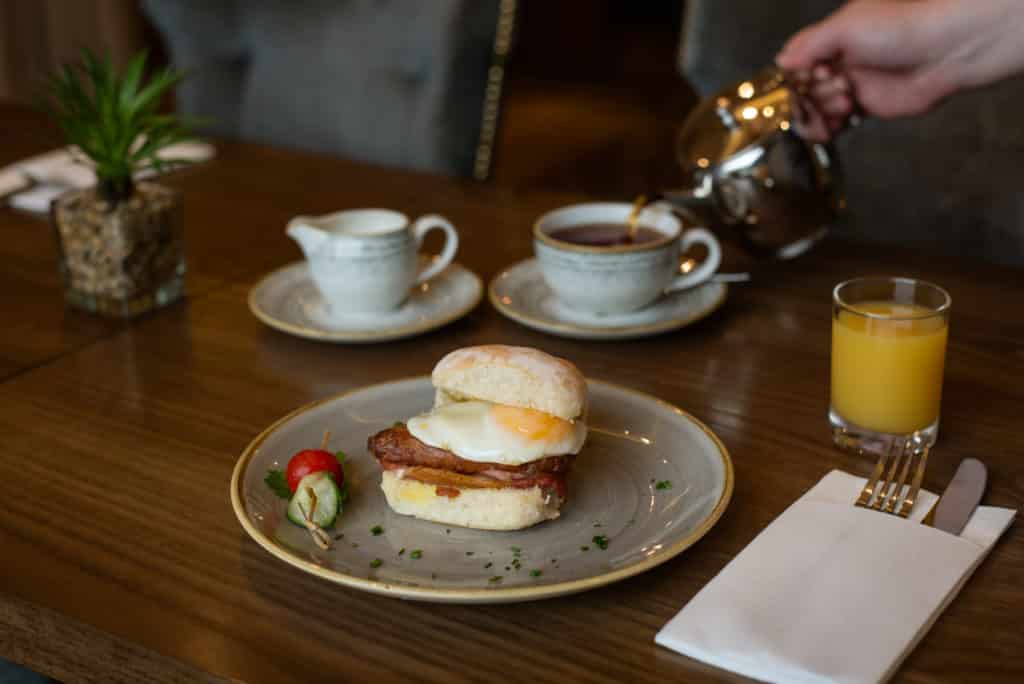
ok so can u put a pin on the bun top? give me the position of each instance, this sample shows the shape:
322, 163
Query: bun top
514, 376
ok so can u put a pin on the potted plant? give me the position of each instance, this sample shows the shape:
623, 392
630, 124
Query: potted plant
120, 241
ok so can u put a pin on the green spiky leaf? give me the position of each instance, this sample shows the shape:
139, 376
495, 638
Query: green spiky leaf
114, 117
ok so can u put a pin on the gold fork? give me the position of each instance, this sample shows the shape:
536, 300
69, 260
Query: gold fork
884, 491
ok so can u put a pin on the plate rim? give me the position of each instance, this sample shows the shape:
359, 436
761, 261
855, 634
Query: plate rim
591, 332
385, 335
479, 595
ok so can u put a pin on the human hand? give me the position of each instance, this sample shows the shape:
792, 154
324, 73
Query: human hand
899, 58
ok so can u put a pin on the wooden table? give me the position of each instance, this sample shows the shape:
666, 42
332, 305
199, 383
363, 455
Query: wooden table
122, 558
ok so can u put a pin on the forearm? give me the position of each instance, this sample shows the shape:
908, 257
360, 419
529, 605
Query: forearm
977, 41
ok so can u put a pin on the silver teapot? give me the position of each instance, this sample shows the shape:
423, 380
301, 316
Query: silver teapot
747, 169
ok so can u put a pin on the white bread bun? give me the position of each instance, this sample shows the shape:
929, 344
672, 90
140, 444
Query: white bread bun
514, 376
481, 509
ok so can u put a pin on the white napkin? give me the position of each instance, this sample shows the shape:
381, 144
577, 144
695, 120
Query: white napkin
829, 592
12, 181
62, 169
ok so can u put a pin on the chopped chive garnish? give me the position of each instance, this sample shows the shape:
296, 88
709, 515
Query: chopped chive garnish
339, 536
489, 564
469, 553
663, 484
495, 579
376, 563
416, 554
597, 524
355, 545
401, 551
536, 573
601, 541
584, 548
376, 530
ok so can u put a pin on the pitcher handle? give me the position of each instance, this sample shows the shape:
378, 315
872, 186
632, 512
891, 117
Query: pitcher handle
424, 225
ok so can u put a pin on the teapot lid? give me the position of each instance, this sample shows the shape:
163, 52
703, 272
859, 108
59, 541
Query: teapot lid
736, 118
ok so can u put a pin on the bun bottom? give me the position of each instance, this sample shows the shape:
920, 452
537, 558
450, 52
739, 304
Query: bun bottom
481, 509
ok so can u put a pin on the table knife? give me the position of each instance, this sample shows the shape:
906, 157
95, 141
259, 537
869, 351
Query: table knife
961, 497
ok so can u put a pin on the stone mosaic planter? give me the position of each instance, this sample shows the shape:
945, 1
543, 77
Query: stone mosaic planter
121, 260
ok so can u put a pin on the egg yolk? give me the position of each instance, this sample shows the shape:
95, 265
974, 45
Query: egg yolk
531, 424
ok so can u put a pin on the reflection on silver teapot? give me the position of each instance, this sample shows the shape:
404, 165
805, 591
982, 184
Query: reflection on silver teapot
747, 168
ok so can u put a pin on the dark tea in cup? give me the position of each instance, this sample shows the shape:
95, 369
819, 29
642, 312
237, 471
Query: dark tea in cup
605, 235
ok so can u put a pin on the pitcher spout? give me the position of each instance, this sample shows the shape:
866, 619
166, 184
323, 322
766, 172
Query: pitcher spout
310, 239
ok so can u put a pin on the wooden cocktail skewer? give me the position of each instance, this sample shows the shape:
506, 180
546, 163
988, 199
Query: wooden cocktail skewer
320, 538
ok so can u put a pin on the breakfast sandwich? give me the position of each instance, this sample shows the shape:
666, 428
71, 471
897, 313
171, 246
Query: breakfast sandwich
495, 450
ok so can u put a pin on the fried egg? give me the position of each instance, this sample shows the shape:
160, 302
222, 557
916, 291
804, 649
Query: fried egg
495, 433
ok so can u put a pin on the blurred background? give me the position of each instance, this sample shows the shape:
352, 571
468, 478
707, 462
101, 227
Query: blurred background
582, 95
590, 99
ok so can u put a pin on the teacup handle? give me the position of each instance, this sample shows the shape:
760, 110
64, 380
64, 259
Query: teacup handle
424, 225
692, 237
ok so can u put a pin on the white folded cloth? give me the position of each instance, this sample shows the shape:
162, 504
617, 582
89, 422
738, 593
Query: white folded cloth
11, 181
53, 173
829, 592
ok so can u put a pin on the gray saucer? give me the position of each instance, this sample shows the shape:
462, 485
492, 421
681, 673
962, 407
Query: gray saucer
520, 293
288, 300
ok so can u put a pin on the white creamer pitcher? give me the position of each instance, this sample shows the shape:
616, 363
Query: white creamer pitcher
365, 261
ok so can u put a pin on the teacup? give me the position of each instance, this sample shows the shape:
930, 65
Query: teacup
623, 277
365, 261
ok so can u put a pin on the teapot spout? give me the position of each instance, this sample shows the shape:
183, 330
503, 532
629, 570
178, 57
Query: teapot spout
310, 239
696, 203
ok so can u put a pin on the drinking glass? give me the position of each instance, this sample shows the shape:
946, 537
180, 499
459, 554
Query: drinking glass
888, 356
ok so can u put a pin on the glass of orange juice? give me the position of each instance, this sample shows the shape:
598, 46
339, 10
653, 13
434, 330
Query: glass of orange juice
888, 355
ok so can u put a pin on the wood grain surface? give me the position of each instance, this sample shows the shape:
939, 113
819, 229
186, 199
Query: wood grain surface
117, 442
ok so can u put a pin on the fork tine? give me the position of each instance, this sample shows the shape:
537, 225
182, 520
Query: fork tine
898, 496
915, 486
885, 489
869, 487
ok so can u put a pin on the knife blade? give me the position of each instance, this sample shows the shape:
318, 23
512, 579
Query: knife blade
962, 496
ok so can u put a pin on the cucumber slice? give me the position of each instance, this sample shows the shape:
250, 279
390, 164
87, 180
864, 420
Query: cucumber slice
328, 500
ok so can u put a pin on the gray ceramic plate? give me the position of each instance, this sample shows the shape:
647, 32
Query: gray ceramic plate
288, 300
635, 442
520, 293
